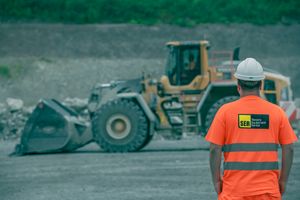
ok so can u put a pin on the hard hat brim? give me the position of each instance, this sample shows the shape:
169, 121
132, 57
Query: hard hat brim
249, 78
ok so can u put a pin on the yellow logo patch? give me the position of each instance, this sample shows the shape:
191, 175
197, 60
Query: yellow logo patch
245, 121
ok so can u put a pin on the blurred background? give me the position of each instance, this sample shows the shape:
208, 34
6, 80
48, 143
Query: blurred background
61, 48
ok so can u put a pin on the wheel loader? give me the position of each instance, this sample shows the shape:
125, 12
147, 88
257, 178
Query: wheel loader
124, 115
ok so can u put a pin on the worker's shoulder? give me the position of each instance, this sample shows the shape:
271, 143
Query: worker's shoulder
265, 106
270, 106
229, 106
259, 102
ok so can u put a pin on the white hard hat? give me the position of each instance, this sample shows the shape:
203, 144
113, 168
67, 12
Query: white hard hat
249, 70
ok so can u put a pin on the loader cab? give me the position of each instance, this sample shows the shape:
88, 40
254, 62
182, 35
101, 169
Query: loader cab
183, 63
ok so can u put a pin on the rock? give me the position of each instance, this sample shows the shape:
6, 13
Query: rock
13, 116
3, 108
77, 104
14, 104
28, 110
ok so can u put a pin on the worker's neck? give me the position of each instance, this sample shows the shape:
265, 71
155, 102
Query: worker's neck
249, 93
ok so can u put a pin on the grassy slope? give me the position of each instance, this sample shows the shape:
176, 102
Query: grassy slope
179, 12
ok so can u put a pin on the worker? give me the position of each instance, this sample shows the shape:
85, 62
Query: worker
191, 72
192, 63
248, 131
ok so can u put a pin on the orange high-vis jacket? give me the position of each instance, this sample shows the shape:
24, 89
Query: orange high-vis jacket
250, 130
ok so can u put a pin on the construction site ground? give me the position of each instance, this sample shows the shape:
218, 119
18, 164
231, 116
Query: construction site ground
165, 170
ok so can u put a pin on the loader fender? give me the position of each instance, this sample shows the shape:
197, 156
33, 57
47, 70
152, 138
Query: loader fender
212, 94
144, 106
209, 89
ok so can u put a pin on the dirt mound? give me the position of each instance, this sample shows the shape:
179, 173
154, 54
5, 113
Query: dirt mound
58, 61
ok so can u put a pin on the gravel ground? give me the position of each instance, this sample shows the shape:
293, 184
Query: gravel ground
165, 170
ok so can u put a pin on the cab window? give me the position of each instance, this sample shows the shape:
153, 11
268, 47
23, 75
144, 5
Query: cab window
171, 68
183, 64
190, 65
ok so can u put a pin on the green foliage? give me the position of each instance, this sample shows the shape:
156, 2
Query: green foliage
179, 12
8, 72
4, 71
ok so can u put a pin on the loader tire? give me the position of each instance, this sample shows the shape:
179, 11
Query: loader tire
147, 141
214, 109
120, 126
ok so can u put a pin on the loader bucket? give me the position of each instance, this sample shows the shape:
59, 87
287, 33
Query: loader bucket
53, 127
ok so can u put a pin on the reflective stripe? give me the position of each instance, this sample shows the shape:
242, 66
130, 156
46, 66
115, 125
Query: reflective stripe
250, 147
251, 166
